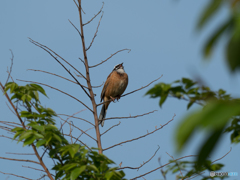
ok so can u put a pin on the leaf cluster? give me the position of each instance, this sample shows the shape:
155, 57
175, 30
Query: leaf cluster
72, 161
186, 89
229, 28
187, 169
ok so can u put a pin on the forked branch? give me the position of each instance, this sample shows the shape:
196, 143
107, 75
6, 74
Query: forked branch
127, 167
162, 126
110, 57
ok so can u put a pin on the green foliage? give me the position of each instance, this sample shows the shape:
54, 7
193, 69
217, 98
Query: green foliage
72, 161
230, 28
187, 169
188, 90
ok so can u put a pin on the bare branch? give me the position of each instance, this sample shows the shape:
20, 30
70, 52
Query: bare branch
89, 80
79, 129
142, 87
177, 164
77, 118
35, 169
127, 117
162, 167
48, 51
110, 57
23, 160
20, 153
79, 141
10, 109
127, 167
111, 127
82, 134
69, 118
75, 28
15, 175
222, 156
94, 15
56, 75
59, 91
95, 35
9, 74
140, 136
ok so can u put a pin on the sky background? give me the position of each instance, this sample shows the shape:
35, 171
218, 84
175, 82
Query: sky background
163, 40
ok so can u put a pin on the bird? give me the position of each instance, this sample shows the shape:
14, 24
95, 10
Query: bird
113, 88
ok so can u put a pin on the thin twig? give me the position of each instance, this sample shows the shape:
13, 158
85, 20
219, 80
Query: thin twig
79, 129
75, 28
59, 91
23, 160
127, 167
127, 117
142, 87
140, 136
15, 175
9, 74
161, 167
56, 75
79, 141
48, 51
177, 164
82, 134
95, 35
10, 109
109, 57
111, 128
69, 118
20, 153
77, 118
94, 15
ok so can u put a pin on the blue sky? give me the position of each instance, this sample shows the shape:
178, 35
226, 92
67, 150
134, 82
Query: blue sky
163, 41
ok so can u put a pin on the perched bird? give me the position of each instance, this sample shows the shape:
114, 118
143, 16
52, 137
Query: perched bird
113, 88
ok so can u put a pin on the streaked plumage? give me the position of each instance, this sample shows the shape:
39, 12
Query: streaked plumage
114, 87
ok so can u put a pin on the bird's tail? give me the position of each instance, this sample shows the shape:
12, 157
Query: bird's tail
102, 115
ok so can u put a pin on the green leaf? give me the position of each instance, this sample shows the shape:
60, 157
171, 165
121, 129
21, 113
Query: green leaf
108, 175
76, 172
233, 54
93, 167
25, 135
208, 147
29, 140
214, 116
162, 99
41, 142
39, 88
211, 42
209, 11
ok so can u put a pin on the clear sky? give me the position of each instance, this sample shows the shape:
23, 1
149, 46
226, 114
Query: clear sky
163, 41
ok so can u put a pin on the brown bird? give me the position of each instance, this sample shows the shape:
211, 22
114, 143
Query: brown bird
113, 88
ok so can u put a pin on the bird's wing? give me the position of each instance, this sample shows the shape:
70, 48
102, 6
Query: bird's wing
105, 87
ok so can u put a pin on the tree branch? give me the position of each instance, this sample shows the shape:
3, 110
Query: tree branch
23, 160
141, 165
95, 35
48, 51
161, 167
59, 91
109, 57
94, 15
111, 128
15, 175
127, 117
140, 136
